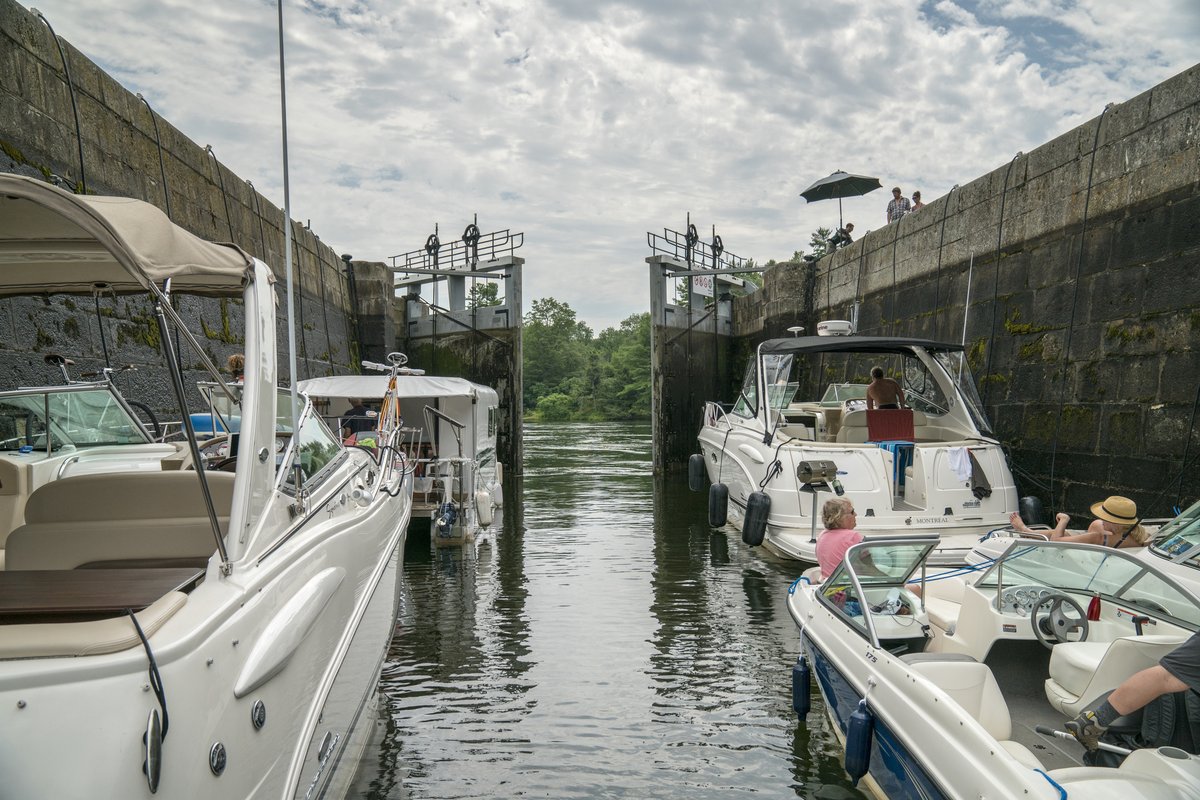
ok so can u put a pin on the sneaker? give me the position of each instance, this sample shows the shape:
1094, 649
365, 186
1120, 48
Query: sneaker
1087, 729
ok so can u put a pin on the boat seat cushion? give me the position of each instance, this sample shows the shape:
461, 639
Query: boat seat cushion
145, 518
59, 639
1082, 671
971, 685
943, 602
921, 658
854, 427
1021, 753
128, 495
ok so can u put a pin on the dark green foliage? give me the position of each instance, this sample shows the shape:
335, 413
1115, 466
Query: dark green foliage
572, 375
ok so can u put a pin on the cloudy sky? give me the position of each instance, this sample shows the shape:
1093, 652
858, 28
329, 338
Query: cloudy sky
587, 123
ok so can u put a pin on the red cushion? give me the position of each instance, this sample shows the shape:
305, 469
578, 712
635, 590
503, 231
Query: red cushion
890, 425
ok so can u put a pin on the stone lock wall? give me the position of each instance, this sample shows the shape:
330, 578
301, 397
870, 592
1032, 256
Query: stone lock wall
122, 144
1076, 271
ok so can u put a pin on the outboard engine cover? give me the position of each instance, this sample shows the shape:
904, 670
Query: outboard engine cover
754, 526
859, 734
718, 505
446, 517
696, 477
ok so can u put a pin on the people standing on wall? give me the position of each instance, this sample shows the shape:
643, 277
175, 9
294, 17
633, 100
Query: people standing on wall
898, 207
916, 202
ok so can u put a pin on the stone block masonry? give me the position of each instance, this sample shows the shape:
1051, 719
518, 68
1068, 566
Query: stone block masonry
1081, 262
122, 144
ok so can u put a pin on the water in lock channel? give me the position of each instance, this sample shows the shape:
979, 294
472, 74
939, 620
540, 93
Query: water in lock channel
604, 643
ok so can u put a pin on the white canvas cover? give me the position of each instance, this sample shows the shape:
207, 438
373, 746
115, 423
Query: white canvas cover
55, 242
375, 386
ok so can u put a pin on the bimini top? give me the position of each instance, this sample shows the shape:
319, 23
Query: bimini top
368, 387
55, 242
853, 344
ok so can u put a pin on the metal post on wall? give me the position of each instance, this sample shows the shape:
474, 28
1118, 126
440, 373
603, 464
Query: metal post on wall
71, 90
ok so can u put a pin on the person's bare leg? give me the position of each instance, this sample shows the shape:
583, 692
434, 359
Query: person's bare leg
1017, 524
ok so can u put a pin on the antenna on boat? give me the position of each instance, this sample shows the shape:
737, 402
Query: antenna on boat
287, 252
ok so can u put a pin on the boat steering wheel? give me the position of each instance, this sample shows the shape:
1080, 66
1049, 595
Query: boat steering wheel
1056, 625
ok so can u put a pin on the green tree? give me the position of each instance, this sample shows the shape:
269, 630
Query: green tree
819, 241
483, 295
555, 346
624, 388
554, 407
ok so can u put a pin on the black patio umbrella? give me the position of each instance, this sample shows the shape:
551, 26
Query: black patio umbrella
840, 184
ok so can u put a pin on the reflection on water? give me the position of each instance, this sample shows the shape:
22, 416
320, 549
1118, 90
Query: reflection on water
604, 643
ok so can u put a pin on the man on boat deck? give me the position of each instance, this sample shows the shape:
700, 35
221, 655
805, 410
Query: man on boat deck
358, 419
883, 392
1177, 671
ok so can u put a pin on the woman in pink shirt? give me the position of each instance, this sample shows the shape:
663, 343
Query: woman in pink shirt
839, 535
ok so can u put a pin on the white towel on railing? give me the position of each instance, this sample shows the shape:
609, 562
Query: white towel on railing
960, 463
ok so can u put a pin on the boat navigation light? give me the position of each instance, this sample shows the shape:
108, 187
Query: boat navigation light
796, 330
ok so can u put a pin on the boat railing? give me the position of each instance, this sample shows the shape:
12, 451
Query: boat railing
715, 413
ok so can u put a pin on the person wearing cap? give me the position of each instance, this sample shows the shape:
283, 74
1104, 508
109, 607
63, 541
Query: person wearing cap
1115, 525
899, 206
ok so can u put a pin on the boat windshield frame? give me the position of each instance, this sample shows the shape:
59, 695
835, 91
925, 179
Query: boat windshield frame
61, 430
1178, 541
931, 370
859, 570
1104, 571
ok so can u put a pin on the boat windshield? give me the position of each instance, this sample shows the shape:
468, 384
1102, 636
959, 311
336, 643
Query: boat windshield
1179, 539
1093, 570
955, 364
838, 393
229, 413
884, 562
71, 417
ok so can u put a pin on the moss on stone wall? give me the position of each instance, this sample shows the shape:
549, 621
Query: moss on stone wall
1013, 324
1122, 333
139, 329
1033, 351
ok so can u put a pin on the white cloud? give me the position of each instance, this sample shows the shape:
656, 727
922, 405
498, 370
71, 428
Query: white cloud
587, 123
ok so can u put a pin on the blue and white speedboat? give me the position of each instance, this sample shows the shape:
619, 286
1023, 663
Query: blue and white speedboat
938, 693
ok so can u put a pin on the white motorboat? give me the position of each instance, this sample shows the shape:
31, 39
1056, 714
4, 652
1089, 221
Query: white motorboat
53, 432
942, 694
213, 632
449, 435
1175, 548
800, 432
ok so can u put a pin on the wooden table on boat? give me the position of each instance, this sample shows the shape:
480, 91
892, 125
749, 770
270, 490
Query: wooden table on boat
76, 594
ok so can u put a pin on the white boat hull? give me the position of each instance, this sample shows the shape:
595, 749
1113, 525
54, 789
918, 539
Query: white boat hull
916, 506
73, 727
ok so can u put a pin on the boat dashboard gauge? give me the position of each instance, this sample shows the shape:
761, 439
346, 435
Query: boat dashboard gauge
1019, 600
855, 405
216, 449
